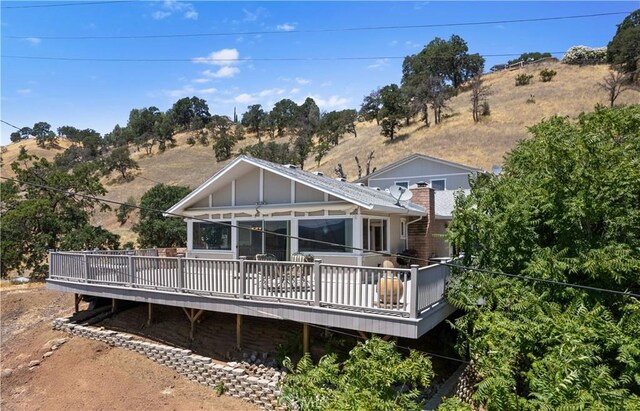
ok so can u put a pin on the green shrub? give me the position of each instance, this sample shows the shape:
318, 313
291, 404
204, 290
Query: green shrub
546, 75
191, 141
485, 110
523, 79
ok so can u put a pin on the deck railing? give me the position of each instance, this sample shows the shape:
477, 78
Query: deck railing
403, 292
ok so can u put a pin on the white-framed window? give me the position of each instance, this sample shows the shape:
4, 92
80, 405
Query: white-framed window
404, 184
438, 184
212, 236
337, 231
375, 234
403, 228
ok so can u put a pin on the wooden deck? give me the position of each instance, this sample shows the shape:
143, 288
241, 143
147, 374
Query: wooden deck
315, 293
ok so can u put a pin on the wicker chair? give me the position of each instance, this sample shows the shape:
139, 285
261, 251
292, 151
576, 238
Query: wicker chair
301, 273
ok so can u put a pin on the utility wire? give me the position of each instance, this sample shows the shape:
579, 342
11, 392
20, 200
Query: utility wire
382, 253
9, 124
77, 3
325, 30
227, 60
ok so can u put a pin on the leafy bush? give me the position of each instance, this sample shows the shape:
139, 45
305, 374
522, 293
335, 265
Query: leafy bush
523, 79
125, 209
584, 55
485, 109
374, 377
546, 75
191, 141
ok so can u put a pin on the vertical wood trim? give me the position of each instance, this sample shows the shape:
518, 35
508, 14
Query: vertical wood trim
293, 192
261, 196
233, 192
210, 200
189, 235
234, 237
326, 197
294, 235
414, 291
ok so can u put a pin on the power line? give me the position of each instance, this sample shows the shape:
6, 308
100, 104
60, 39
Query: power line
77, 3
543, 280
325, 30
9, 124
223, 60
382, 253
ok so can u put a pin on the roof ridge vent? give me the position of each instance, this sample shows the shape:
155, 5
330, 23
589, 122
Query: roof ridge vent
341, 179
291, 166
359, 184
318, 173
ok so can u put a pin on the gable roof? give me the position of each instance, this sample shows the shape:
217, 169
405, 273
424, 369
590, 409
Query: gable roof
416, 156
368, 198
445, 202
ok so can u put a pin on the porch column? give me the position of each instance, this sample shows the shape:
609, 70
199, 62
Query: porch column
189, 235
357, 237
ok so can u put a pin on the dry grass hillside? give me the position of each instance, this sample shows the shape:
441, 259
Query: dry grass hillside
572, 91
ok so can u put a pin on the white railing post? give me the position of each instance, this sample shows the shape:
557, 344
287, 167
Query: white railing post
180, 273
317, 291
242, 277
50, 262
414, 291
86, 268
132, 270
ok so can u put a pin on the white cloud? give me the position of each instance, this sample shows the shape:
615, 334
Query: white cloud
244, 98
207, 90
419, 5
379, 64
271, 91
294, 91
286, 27
201, 80
301, 80
33, 40
393, 43
159, 14
224, 57
188, 90
331, 103
411, 45
222, 72
168, 7
251, 16
24, 91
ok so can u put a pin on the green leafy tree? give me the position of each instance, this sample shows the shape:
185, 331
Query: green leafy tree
564, 209
446, 59
21, 134
529, 57
284, 114
35, 219
43, 134
307, 118
253, 119
374, 377
191, 112
219, 125
155, 230
163, 130
335, 124
371, 107
624, 49
394, 110
124, 210
223, 146
119, 160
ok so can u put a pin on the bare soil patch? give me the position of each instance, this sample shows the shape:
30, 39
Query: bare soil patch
83, 374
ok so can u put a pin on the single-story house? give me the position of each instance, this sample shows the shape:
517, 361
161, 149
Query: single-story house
253, 206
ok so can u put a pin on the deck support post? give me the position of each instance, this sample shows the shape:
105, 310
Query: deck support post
193, 315
239, 331
413, 299
305, 338
76, 302
114, 305
363, 335
149, 314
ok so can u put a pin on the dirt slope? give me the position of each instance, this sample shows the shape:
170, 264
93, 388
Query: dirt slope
83, 374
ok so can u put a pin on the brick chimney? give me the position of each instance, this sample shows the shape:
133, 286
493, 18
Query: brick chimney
421, 232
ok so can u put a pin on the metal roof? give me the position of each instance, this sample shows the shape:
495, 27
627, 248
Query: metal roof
366, 197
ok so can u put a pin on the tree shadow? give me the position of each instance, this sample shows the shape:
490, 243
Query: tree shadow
399, 138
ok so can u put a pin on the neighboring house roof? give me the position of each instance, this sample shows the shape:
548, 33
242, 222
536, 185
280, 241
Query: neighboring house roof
368, 198
445, 202
414, 157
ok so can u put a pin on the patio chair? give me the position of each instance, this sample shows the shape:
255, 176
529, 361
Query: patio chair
270, 278
300, 273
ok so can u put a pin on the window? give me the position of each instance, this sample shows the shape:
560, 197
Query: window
212, 236
334, 230
374, 234
403, 228
404, 184
438, 184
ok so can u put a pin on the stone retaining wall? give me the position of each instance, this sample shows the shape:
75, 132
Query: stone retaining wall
259, 385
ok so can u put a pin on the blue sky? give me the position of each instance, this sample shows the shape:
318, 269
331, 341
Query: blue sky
89, 94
